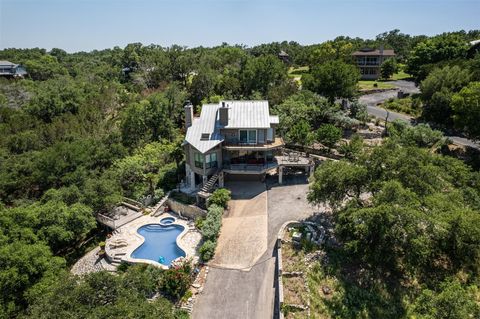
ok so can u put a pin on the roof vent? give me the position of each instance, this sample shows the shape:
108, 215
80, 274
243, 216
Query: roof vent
205, 136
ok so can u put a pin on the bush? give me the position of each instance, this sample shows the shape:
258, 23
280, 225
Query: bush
220, 197
213, 222
208, 250
410, 105
175, 282
199, 222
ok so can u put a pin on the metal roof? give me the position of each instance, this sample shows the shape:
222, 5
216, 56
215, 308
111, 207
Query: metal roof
241, 114
7, 63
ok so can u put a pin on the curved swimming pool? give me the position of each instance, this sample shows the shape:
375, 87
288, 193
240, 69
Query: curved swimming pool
160, 243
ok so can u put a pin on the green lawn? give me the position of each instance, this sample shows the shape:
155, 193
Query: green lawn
370, 85
401, 75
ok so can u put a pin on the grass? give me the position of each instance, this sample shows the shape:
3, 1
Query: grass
370, 85
401, 75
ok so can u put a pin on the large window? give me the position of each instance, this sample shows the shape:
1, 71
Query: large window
198, 160
248, 136
211, 160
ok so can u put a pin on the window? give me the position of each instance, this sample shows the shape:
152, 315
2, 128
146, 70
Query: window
248, 136
198, 160
372, 61
211, 160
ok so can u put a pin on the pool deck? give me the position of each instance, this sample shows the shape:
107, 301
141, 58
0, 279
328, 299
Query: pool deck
188, 240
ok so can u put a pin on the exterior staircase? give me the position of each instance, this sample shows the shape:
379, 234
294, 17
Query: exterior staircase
208, 186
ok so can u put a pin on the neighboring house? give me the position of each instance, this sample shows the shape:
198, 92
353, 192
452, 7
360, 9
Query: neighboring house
9, 69
370, 60
284, 57
230, 140
474, 48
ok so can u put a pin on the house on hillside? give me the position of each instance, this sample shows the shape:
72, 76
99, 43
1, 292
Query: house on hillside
474, 48
231, 140
284, 57
369, 61
9, 69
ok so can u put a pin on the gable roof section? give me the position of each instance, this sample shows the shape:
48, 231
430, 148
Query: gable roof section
248, 114
241, 114
205, 124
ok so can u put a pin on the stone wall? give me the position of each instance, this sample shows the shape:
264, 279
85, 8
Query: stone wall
189, 211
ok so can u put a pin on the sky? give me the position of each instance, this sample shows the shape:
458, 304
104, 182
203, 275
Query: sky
84, 25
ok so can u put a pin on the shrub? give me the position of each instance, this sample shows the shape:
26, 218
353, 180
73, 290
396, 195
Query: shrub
220, 197
213, 222
199, 222
175, 281
409, 105
208, 250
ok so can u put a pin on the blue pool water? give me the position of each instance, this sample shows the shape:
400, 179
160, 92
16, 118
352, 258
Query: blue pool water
167, 221
160, 243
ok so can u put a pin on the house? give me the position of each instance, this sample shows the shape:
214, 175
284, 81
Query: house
284, 57
9, 69
370, 60
232, 140
474, 48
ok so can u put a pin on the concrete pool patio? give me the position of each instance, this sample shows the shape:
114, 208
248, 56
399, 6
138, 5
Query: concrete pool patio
126, 239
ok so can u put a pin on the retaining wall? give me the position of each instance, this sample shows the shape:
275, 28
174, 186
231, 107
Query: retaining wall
188, 211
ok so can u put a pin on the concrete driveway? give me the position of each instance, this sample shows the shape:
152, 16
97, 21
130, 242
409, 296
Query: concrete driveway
234, 293
243, 236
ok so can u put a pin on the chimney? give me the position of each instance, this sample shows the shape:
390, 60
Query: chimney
223, 111
188, 114
381, 49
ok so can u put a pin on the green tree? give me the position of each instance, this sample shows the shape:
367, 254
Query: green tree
466, 110
434, 50
329, 135
336, 181
334, 79
437, 91
388, 68
300, 134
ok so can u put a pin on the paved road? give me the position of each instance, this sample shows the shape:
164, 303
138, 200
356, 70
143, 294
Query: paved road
372, 100
233, 293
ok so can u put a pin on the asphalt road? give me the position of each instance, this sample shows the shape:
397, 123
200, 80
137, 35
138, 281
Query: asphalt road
372, 100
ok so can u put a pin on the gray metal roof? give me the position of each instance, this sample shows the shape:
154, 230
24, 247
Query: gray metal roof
7, 63
248, 114
241, 114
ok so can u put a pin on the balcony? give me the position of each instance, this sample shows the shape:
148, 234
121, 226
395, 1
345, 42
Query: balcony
235, 145
246, 168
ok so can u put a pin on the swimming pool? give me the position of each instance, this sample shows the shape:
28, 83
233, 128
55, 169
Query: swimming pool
160, 243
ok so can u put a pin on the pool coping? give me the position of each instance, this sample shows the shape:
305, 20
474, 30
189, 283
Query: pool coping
153, 220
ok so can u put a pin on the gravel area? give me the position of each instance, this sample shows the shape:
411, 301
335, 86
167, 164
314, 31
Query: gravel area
88, 263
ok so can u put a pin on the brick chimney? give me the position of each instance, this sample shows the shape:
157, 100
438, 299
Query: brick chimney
188, 114
223, 114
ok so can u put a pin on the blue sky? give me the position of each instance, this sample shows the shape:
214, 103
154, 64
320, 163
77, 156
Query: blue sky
75, 25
